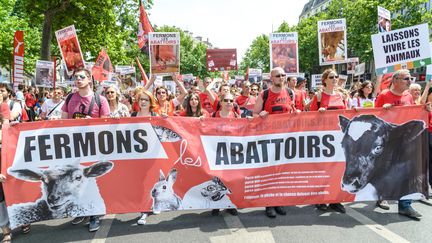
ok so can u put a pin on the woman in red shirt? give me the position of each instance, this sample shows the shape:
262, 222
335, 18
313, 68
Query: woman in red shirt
329, 99
227, 105
193, 107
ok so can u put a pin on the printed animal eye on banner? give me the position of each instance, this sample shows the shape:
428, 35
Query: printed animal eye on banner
332, 41
405, 48
384, 23
99, 166
284, 52
221, 59
164, 52
70, 49
45, 74
126, 76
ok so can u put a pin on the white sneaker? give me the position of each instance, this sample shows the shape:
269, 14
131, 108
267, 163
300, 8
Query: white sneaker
142, 220
156, 212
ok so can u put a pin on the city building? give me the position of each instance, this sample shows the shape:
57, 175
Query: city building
313, 7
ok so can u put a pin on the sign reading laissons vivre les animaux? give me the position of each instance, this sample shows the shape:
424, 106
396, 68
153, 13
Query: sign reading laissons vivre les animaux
405, 48
70, 168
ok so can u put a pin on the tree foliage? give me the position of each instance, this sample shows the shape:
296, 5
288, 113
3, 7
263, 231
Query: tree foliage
257, 55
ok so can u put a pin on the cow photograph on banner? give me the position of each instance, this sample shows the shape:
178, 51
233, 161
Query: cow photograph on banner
405, 48
87, 167
45, 74
284, 52
164, 52
70, 49
332, 41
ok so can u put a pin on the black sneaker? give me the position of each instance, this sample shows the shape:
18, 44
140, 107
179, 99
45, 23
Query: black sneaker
337, 207
215, 212
410, 212
321, 207
270, 212
383, 204
232, 211
280, 210
94, 224
78, 220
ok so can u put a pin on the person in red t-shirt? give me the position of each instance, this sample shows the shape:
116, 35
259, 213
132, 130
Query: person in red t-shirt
246, 101
227, 106
278, 101
398, 95
205, 101
300, 93
329, 99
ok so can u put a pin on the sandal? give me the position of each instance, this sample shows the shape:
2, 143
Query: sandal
25, 229
7, 238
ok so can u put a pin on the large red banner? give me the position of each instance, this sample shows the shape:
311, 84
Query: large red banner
221, 59
68, 168
18, 57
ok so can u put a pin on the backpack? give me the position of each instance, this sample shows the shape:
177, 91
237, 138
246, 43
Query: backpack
266, 94
96, 98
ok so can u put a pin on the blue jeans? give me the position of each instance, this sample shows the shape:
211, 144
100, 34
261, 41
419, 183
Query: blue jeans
404, 204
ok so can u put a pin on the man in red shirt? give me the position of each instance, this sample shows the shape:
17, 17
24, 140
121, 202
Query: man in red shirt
276, 101
398, 95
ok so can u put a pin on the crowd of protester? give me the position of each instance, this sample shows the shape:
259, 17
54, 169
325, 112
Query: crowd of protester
205, 99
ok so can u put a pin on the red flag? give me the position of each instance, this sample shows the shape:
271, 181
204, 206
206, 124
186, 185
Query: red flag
102, 67
144, 27
18, 58
247, 74
143, 73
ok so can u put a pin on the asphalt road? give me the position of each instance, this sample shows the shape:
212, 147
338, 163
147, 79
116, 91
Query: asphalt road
363, 222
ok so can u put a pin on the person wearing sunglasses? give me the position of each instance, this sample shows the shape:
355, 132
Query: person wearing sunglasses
275, 100
51, 108
84, 103
165, 105
117, 109
254, 90
398, 95
329, 99
227, 107
214, 98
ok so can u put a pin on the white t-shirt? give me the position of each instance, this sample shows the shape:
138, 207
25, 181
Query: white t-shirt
363, 103
48, 105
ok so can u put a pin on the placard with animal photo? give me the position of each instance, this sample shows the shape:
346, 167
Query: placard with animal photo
284, 51
45, 74
384, 22
351, 64
126, 76
164, 52
70, 49
86, 167
332, 41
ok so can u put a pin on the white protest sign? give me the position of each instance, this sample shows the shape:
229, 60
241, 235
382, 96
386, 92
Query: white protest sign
316, 80
360, 69
403, 48
332, 41
284, 51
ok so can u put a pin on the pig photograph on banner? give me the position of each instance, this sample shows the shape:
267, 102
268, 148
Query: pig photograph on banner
284, 52
332, 41
70, 49
164, 52
44, 74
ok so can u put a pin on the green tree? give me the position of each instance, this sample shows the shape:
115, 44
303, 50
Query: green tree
257, 55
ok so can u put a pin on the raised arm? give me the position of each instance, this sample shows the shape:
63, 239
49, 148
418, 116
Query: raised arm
182, 89
209, 91
151, 82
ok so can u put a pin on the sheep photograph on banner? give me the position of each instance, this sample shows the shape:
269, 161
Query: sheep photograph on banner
284, 52
405, 48
70, 168
164, 52
332, 41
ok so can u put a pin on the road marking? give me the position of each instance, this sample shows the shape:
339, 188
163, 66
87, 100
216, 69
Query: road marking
240, 234
102, 233
375, 227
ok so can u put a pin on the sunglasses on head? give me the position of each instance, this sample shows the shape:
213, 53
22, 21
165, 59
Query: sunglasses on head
333, 77
280, 75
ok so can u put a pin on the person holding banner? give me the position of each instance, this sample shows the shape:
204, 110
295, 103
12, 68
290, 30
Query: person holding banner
396, 95
426, 98
246, 101
365, 96
84, 103
275, 100
227, 107
329, 99
117, 109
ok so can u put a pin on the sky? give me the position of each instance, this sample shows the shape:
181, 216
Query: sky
227, 23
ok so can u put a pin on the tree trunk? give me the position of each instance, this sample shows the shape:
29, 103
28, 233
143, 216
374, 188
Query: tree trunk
46, 36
